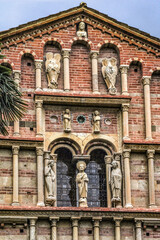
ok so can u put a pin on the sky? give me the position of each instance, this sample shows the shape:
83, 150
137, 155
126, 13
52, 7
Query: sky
142, 14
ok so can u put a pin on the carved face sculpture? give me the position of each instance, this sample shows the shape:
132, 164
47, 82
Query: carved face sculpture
82, 26
114, 164
81, 166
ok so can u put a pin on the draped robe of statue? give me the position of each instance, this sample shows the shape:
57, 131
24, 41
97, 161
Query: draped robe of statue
50, 179
116, 182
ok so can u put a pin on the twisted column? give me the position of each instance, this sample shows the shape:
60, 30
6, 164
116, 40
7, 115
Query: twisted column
147, 104
15, 152
66, 53
126, 159
138, 229
17, 77
150, 157
38, 66
124, 71
125, 108
54, 228
32, 230
40, 177
39, 104
94, 58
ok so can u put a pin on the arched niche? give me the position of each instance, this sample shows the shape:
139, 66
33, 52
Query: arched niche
135, 88
54, 47
80, 67
27, 72
155, 102
6, 64
108, 51
96, 172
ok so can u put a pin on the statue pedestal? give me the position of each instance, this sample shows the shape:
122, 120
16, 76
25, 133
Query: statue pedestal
50, 201
83, 203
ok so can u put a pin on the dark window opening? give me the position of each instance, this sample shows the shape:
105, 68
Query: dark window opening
21, 230
147, 234
89, 231
28, 64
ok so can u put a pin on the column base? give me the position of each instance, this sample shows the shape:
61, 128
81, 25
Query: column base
128, 205
125, 93
39, 135
152, 206
39, 89
96, 92
15, 204
126, 138
149, 139
16, 134
66, 90
40, 204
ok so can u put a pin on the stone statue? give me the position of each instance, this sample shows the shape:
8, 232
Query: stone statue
82, 181
67, 121
50, 179
116, 180
109, 72
52, 69
96, 122
81, 30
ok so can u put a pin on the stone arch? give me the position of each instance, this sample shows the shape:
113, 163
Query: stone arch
84, 41
28, 52
110, 43
55, 46
108, 49
7, 63
53, 40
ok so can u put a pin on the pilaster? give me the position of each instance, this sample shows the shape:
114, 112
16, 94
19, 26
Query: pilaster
66, 53
15, 152
94, 58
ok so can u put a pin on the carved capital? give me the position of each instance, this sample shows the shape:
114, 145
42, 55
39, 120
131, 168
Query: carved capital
33, 222
118, 221
124, 69
126, 153
108, 159
146, 80
39, 103
94, 55
66, 53
150, 154
125, 107
138, 224
39, 151
54, 221
38, 64
17, 75
54, 157
15, 150
74, 222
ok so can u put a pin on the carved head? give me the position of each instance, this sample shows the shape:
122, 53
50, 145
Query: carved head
67, 111
49, 55
51, 163
81, 26
96, 113
81, 165
114, 164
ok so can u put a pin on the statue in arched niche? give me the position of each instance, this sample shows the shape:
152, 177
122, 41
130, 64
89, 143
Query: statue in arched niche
96, 122
81, 30
67, 120
116, 180
82, 181
52, 68
109, 72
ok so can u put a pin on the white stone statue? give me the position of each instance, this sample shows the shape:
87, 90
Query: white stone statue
81, 30
67, 121
109, 72
50, 179
52, 68
96, 122
116, 180
82, 181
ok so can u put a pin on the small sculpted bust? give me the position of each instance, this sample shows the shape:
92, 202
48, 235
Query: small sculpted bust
81, 30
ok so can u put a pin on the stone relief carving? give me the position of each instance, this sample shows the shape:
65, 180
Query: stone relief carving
82, 181
116, 181
96, 122
109, 72
81, 30
50, 177
52, 65
67, 121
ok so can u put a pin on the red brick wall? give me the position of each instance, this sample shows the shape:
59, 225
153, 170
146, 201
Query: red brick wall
150, 233
80, 68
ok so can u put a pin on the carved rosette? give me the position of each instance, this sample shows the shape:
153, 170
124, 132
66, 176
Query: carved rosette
146, 80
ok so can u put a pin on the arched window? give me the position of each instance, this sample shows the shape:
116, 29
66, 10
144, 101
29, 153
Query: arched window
66, 173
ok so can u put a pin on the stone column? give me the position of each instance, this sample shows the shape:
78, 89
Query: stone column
126, 160
138, 230
124, 71
125, 108
150, 157
17, 77
54, 228
147, 104
108, 160
39, 104
40, 177
94, 57
32, 231
15, 152
75, 228
96, 222
117, 228
66, 53
54, 156
38, 66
